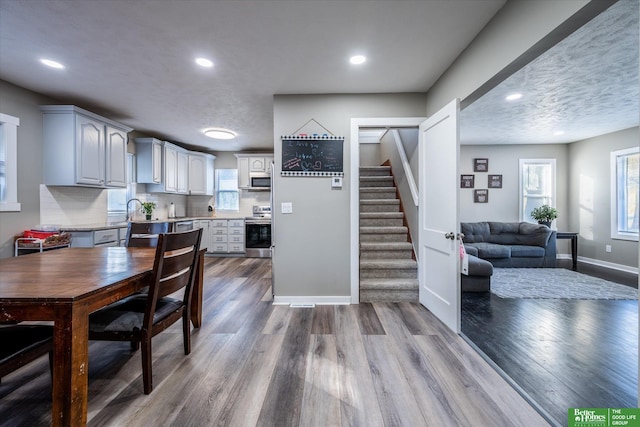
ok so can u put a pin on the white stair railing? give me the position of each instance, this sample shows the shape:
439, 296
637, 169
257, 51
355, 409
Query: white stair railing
406, 166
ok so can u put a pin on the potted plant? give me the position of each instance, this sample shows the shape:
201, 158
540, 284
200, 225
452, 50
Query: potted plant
147, 208
544, 214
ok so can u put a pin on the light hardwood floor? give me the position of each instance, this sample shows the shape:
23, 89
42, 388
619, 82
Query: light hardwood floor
256, 364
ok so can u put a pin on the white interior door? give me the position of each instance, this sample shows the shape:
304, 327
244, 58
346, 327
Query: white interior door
438, 269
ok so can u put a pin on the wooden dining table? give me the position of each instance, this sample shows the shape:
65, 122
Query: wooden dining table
65, 286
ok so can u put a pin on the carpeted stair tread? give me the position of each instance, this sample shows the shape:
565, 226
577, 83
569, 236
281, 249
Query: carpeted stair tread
389, 264
391, 284
385, 246
381, 215
380, 202
384, 230
375, 170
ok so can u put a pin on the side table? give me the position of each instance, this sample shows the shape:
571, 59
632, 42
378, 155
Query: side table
574, 245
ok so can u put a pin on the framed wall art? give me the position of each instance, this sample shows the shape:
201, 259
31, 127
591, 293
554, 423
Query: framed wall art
495, 181
481, 196
480, 165
467, 181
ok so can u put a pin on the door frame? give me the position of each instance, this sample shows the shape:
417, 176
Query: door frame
356, 124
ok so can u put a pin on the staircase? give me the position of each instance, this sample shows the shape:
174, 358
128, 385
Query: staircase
388, 270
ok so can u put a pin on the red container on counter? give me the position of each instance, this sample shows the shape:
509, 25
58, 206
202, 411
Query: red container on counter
38, 234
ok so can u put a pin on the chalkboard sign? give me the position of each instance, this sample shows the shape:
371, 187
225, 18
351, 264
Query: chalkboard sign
312, 156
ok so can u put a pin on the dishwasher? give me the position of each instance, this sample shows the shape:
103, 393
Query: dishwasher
180, 226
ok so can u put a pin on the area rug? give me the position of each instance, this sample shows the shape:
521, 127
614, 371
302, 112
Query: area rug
555, 283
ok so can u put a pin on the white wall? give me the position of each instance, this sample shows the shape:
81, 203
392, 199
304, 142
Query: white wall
312, 255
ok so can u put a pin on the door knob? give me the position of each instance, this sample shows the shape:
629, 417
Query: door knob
450, 236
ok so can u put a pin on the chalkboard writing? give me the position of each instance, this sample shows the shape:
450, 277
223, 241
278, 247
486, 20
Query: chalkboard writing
315, 157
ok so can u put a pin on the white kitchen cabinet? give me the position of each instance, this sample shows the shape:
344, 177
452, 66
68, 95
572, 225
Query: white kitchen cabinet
204, 241
226, 236
81, 148
201, 174
243, 172
256, 164
149, 160
182, 172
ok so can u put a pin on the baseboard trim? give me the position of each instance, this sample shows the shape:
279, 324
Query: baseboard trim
611, 265
311, 300
600, 263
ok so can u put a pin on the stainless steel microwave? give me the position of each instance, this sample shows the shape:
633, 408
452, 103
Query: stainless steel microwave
261, 181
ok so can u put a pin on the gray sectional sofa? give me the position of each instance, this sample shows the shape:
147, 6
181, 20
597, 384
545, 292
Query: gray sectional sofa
504, 244
510, 244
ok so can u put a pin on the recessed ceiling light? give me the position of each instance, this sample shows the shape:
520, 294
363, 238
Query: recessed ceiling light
52, 64
558, 132
358, 59
204, 62
218, 133
513, 96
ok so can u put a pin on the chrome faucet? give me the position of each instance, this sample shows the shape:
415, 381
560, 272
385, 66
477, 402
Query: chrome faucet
129, 201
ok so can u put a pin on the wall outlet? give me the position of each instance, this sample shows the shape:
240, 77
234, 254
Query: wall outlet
607, 248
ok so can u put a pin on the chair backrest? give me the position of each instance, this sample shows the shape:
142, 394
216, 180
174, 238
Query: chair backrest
174, 269
145, 234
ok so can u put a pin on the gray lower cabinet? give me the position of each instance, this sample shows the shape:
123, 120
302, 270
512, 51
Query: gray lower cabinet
97, 238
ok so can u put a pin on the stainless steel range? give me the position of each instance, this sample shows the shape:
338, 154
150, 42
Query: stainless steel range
258, 233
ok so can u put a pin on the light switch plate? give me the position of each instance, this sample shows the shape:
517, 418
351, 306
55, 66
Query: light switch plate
286, 207
336, 182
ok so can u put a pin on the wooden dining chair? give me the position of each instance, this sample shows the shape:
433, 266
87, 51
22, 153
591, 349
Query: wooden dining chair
145, 234
140, 317
22, 344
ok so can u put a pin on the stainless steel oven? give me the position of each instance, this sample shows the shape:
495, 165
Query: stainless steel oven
258, 238
257, 233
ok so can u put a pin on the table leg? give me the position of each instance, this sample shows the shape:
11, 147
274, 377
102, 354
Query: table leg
70, 366
574, 252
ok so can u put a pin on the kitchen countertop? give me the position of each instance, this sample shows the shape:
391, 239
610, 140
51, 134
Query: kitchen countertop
122, 224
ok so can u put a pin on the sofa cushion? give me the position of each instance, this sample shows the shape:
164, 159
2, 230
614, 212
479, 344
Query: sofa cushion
479, 267
526, 251
475, 231
492, 250
519, 233
471, 250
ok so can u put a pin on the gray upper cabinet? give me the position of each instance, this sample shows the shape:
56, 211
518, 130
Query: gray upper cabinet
83, 149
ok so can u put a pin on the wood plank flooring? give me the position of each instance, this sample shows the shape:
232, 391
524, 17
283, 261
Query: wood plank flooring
562, 353
256, 364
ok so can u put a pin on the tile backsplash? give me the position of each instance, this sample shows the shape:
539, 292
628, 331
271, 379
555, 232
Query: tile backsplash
72, 205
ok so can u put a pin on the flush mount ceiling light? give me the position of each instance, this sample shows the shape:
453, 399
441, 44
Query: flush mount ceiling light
218, 133
52, 64
204, 62
558, 132
358, 59
513, 96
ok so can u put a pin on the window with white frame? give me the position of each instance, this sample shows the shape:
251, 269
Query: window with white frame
624, 194
537, 185
227, 194
9, 163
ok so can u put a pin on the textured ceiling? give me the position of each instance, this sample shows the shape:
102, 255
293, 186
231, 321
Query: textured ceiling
587, 85
132, 61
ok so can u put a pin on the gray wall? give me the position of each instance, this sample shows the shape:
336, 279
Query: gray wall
514, 29
590, 197
23, 104
504, 160
312, 256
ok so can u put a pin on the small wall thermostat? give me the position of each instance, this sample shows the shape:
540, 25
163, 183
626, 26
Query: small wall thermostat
336, 182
